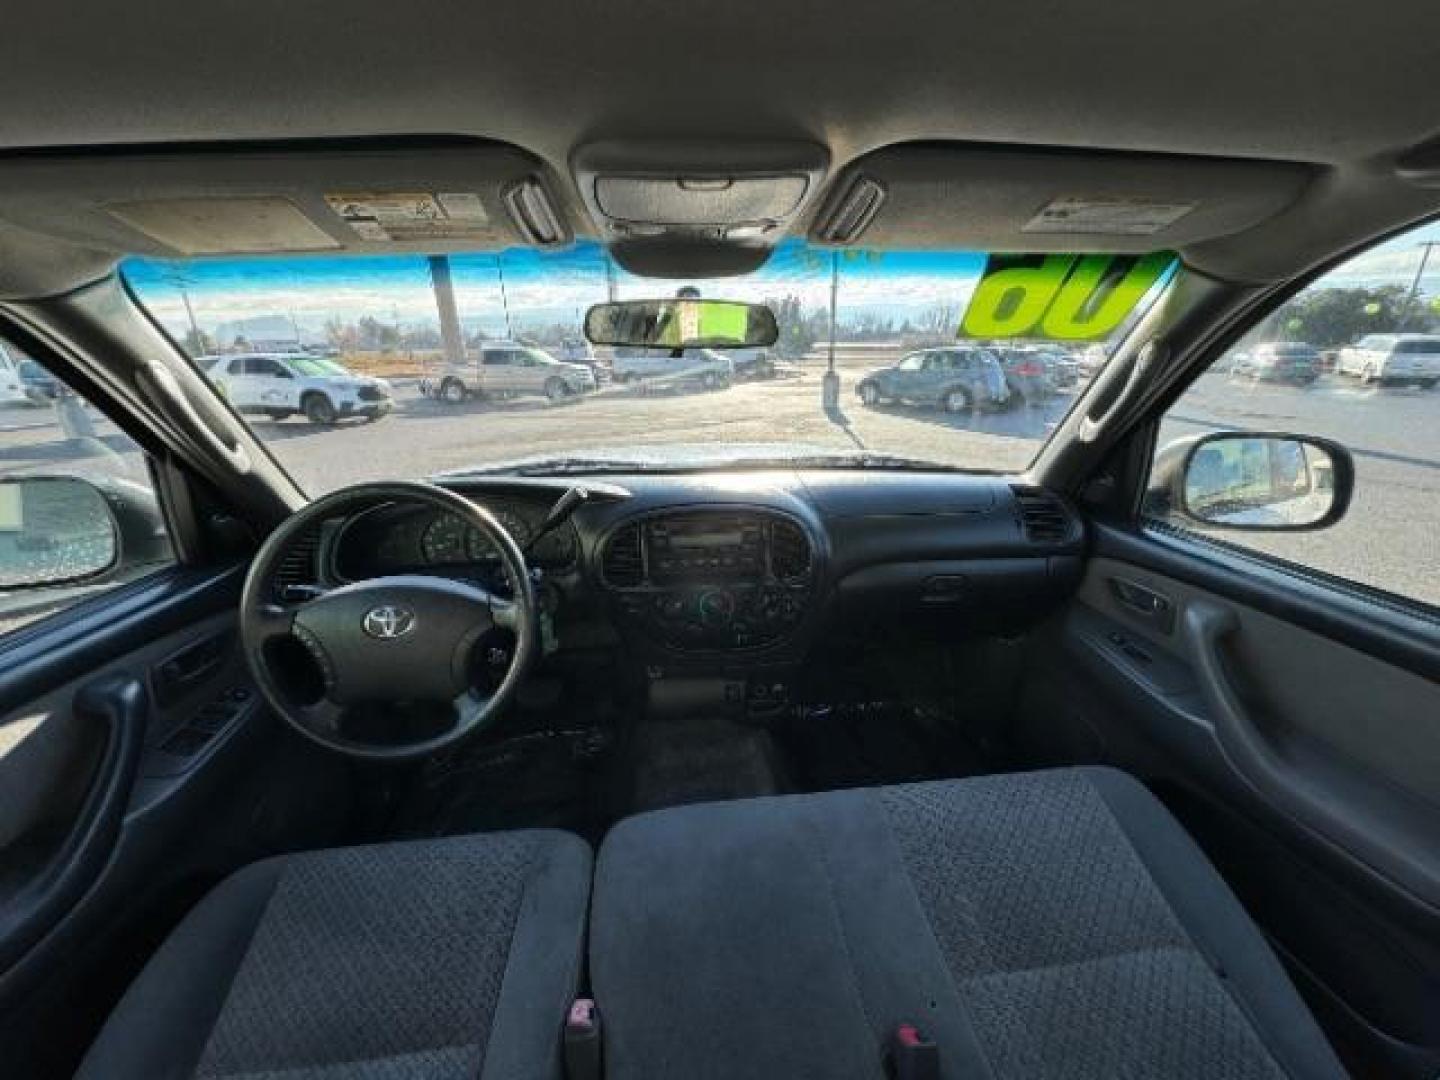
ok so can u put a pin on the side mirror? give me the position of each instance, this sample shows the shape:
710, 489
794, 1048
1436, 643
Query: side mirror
54, 530
1256, 481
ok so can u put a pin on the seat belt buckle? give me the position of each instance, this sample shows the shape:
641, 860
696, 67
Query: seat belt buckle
582, 1041
913, 1055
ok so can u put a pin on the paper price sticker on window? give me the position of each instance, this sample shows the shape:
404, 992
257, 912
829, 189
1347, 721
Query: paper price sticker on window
1063, 297
394, 217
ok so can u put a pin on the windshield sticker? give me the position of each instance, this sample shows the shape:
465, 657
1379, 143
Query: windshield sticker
1113, 216
1065, 297
412, 216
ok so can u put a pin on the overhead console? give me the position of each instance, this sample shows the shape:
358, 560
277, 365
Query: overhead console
689, 209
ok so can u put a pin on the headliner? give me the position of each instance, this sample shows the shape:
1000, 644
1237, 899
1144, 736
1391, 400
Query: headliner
1347, 86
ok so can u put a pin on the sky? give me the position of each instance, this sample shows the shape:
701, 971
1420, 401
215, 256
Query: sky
540, 287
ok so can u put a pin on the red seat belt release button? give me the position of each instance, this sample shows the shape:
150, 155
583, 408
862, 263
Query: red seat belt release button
582, 1041
913, 1055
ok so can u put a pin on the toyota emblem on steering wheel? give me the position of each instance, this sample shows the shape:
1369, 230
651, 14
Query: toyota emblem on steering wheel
388, 622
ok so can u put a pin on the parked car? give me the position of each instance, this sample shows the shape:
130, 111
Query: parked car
576, 350
952, 378
1092, 358
1393, 359
279, 385
753, 363
1026, 374
505, 369
38, 385
1061, 367
12, 388
1279, 361
707, 368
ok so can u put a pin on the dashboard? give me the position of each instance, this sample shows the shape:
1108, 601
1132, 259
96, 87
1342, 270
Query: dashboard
697, 568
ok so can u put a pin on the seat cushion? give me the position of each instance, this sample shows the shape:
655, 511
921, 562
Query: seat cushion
1050, 924
439, 958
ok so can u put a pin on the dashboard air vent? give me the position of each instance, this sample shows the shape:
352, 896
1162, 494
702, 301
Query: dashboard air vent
624, 564
1043, 517
300, 564
789, 551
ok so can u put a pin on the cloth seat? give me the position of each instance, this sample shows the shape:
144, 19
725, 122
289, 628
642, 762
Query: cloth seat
442, 958
1040, 925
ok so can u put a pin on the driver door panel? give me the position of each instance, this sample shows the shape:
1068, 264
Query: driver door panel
123, 792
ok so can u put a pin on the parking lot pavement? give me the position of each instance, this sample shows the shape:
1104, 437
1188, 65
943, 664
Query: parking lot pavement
1394, 435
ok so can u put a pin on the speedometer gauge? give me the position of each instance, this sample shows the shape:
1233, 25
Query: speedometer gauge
479, 544
444, 541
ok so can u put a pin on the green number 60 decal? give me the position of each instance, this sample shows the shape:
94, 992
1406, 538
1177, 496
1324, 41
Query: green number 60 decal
1067, 297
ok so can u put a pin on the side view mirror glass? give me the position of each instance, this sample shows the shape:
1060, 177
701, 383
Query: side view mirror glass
682, 323
1258, 481
54, 530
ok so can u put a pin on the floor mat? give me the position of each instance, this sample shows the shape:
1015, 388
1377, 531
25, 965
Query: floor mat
701, 759
867, 744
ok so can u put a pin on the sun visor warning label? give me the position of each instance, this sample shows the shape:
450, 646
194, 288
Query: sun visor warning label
1104, 215
393, 217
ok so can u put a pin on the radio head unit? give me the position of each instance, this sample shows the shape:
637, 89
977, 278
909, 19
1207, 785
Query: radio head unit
705, 547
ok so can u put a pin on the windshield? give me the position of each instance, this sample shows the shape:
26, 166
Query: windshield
859, 321
314, 366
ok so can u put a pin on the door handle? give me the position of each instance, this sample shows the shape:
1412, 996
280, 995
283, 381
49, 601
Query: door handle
1140, 600
117, 703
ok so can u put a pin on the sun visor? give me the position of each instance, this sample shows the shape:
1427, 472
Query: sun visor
221, 202
1007, 200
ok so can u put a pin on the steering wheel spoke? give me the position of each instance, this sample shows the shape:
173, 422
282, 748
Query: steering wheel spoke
505, 614
323, 716
273, 621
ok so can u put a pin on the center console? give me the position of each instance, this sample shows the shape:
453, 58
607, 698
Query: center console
711, 580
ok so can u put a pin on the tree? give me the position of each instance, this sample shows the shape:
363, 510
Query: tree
797, 332
198, 343
1331, 318
375, 334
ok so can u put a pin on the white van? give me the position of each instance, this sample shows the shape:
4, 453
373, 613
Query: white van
1391, 359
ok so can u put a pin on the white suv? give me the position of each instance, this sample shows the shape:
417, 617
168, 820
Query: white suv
281, 384
506, 369
1393, 358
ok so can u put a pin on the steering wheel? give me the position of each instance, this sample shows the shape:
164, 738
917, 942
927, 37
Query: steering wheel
410, 638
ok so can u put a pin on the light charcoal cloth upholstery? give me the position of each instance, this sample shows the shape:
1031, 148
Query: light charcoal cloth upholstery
451, 958
1055, 924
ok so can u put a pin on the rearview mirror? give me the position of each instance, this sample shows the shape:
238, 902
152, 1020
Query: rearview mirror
54, 530
1260, 482
682, 323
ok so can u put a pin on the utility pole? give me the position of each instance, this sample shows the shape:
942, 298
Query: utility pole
1425, 248
450, 335
180, 281
830, 384
504, 297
